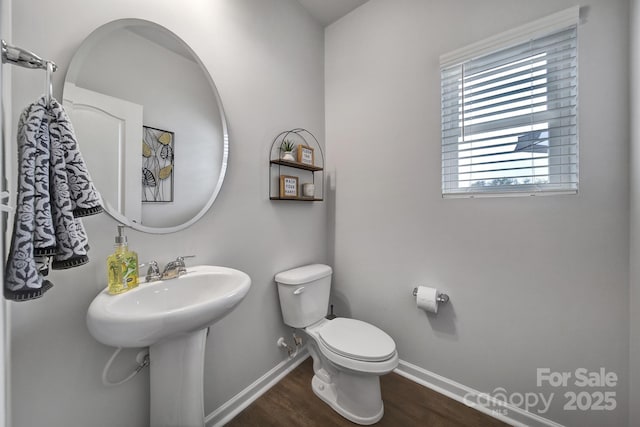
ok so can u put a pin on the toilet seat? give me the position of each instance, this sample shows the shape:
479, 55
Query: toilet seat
357, 340
342, 349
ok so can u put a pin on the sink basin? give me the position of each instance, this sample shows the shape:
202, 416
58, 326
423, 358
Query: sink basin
171, 318
158, 310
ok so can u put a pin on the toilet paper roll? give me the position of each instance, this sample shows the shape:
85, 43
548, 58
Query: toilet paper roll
427, 299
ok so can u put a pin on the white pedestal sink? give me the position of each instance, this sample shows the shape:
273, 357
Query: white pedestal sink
171, 318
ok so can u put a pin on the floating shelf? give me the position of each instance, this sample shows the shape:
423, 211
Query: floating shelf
296, 165
298, 199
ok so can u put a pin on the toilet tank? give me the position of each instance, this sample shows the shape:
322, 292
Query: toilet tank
304, 294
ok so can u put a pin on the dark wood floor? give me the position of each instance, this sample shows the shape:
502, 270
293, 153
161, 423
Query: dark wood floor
291, 403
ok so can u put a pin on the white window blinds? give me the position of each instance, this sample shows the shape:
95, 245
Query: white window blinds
509, 118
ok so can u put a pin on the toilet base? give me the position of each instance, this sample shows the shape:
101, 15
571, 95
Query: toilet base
355, 397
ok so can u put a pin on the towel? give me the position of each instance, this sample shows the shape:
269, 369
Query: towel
22, 278
54, 190
70, 247
44, 233
85, 199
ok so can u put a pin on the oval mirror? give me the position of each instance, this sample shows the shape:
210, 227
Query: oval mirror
150, 124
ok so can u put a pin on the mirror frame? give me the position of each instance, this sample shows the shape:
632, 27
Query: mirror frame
72, 72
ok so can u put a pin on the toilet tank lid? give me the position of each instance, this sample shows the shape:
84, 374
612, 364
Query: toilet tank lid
305, 274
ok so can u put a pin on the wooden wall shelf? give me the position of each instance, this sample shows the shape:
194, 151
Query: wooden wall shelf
296, 165
298, 199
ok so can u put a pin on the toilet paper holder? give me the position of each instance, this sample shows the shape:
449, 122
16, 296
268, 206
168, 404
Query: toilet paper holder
442, 298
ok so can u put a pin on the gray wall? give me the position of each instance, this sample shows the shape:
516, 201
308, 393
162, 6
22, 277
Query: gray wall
266, 58
537, 282
634, 333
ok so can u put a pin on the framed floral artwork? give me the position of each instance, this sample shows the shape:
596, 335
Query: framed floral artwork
157, 165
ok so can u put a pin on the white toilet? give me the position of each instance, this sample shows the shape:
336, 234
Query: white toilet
348, 355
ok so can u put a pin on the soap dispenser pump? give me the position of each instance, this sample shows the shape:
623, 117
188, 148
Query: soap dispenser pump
122, 265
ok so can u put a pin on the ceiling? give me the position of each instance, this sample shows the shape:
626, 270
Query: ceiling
328, 11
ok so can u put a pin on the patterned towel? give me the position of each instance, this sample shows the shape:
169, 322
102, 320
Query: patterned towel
34, 125
85, 200
54, 190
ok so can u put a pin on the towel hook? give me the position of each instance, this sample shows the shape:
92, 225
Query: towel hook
49, 81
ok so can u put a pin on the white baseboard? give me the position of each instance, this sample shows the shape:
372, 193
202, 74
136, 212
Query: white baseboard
503, 411
508, 413
240, 401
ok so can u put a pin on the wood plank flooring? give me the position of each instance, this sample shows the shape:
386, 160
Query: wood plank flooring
291, 403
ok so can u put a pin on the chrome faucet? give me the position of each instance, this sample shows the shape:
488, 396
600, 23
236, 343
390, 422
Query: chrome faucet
175, 268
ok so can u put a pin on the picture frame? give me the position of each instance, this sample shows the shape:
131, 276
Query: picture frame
158, 163
289, 187
306, 155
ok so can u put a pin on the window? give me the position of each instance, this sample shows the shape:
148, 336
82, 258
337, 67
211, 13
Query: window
509, 113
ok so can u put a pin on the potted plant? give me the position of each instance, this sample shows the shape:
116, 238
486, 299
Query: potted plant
287, 147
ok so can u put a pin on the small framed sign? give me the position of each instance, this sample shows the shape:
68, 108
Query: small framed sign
305, 155
288, 187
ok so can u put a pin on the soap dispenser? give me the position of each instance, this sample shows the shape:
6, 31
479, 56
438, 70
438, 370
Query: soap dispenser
122, 266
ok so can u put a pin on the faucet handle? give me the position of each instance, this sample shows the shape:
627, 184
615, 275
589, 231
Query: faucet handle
153, 272
180, 265
180, 259
175, 268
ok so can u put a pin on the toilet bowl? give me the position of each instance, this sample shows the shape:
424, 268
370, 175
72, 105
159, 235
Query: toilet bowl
348, 355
